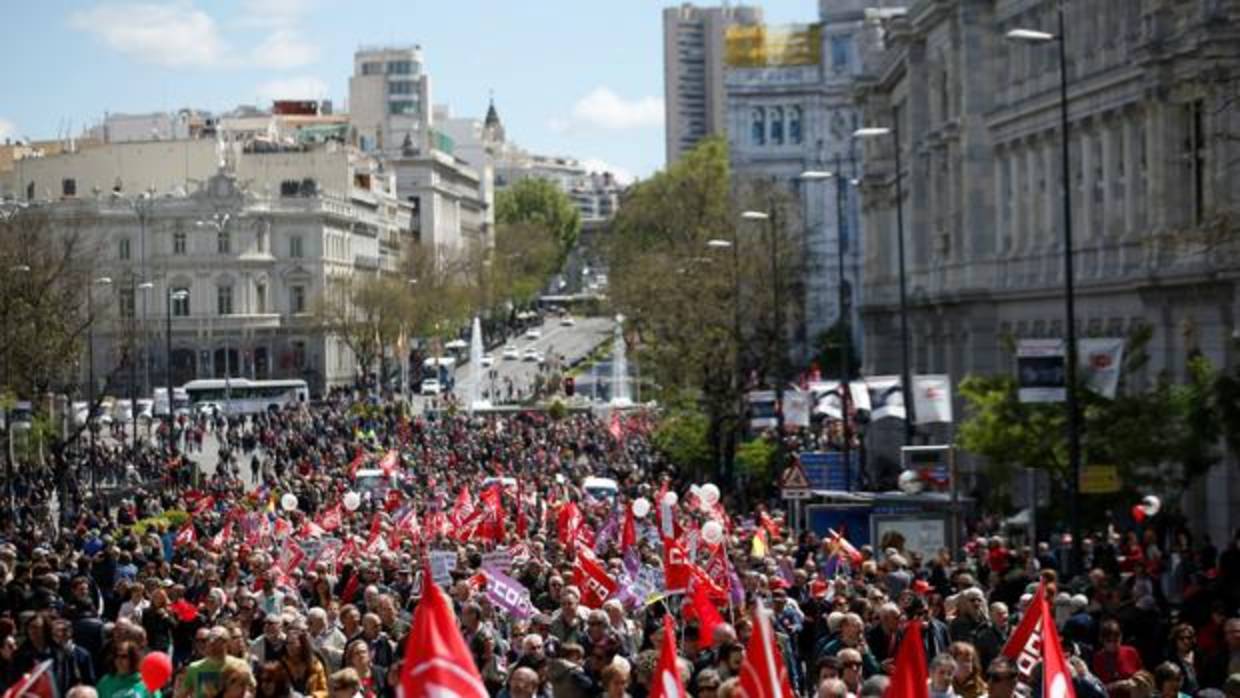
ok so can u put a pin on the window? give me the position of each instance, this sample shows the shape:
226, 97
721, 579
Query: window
223, 242
122, 248
777, 126
224, 300
400, 87
403, 106
399, 67
260, 240
841, 46
794, 125
180, 241
68, 187
297, 299
125, 299
758, 130
294, 246
372, 68
260, 298
180, 302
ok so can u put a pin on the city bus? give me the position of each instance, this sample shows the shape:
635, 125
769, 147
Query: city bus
245, 396
180, 401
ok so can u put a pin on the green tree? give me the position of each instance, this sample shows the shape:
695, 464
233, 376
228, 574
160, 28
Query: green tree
541, 204
682, 435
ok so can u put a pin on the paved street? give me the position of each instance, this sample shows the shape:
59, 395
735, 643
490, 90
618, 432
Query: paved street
570, 343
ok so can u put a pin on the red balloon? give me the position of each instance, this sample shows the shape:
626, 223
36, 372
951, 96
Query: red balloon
156, 669
1138, 513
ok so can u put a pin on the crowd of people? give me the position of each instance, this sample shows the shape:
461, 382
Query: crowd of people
277, 575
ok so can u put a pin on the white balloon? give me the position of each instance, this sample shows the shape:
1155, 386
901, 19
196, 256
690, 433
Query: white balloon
641, 507
352, 501
1151, 505
670, 499
910, 482
288, 501
712, 532
710, 494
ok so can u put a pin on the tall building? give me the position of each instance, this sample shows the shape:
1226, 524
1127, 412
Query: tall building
390, 99
251, 234
1152, 176
693, 66
790, 108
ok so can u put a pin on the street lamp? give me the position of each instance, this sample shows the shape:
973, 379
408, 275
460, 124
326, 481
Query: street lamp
219, 223
777, 334
90, 360
133, 365
1069, 288
720, 244
906, 378
845, 369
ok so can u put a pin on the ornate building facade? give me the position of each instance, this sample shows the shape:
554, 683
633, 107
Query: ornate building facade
1154, 159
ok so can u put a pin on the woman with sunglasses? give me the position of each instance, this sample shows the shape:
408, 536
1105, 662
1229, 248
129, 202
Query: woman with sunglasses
1181, 651
125, 680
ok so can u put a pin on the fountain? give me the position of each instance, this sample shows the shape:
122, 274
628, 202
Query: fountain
477, 370
620, 394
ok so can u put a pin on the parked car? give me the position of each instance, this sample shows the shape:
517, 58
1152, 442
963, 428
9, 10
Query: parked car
430, 386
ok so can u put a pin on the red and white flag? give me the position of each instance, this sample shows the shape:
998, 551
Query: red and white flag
36, 683
667, 683
703, 608
676, 568
1036, 641
908, 677
567, 522
841, 545
221, 539
186, 536
389, 461
596, 585
463, 508
439, 664
764, 673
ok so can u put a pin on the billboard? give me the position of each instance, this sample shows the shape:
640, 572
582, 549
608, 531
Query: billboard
762, 46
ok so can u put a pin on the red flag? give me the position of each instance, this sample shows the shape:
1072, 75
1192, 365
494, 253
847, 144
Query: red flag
283, 528
358, 458
309, 529
203, 504
707, 615
567, 522
676, 567
186, 536
764, 674
667, 683
350, 589
1024, 647
389, 461
772, 528
909, 678
628, 533
493, 505
462, 508
37, 683
221, 539
841, 544
522, 525
596, 585
1056, 676
439, 663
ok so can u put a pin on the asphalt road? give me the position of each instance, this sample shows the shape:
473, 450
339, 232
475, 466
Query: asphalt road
567, 344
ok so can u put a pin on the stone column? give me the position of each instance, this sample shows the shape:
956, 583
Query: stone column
1132, 173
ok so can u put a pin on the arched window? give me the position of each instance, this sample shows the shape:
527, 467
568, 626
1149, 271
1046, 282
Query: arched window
758, 130
794, 125
777, 126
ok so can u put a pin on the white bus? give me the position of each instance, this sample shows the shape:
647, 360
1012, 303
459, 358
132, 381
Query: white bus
180, 401
244, 396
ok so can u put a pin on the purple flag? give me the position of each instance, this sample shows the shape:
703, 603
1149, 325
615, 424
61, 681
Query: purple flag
606, 532
508, 594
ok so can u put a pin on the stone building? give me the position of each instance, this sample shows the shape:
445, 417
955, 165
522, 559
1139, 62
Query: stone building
1153, 174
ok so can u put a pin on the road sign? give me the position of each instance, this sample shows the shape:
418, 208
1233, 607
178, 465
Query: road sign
825, 470
1099, 479
794, 483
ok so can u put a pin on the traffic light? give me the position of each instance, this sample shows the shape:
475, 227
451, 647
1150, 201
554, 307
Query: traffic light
570, 386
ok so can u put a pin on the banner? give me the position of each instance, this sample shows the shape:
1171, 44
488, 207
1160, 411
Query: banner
1040, 372
507, 593
886, 397
1100, 361
499, 559
827, 397
797, 407
442, 564
932, 399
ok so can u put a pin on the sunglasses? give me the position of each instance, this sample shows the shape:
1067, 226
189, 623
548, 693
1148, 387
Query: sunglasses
999, 676
851, 665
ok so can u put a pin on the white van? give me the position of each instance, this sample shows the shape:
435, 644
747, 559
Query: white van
601, 488
373, 480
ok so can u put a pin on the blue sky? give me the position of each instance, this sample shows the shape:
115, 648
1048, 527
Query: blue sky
572, 77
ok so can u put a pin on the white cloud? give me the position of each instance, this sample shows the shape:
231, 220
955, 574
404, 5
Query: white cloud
7, 129
302, 87
284, 49
602, 108
173, 35
274, 13
622, 175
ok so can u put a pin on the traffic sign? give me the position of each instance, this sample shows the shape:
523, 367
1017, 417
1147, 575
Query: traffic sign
794, 483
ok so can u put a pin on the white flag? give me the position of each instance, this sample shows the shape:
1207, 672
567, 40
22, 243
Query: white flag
1099, 362
932, 399
886, 397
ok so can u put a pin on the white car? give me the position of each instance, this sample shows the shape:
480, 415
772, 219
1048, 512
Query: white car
530, 355
430, 386
511, 353
208, 409
533, 333
567, 321
488, 361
